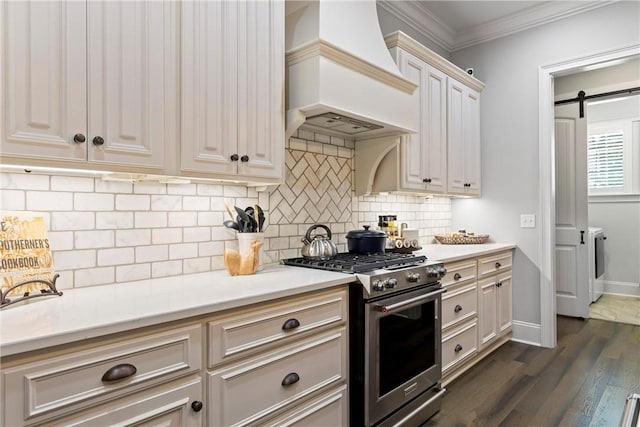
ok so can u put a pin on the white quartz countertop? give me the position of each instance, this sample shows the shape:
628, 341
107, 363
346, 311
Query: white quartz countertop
449, 253
85, 313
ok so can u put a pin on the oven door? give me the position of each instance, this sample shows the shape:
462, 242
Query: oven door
403, 340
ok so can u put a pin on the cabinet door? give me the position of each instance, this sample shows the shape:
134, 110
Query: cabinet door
260, 55
505, 305
413, 147
209, 97
44, 85
488, 310
456, 130
472, 142
132, 47
435, 156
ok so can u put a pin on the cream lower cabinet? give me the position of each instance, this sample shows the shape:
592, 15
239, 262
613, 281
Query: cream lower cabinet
275, 363
282, 364
89, 84
146, 376
476, 311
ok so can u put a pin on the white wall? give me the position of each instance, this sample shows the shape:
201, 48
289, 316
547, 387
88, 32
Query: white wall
509, 125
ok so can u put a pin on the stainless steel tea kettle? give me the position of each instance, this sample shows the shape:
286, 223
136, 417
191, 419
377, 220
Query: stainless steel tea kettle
319, 246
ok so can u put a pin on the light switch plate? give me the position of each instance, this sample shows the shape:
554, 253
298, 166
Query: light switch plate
527, 221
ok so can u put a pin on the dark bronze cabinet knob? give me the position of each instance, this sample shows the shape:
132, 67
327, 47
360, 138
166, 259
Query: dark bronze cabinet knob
457, 276
458, 348
196, 405
234, 157
498, 265
244, 158
427, 180
457, 308
79, 138
98, 140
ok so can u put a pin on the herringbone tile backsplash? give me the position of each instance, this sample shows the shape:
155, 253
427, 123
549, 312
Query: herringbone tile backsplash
319, 189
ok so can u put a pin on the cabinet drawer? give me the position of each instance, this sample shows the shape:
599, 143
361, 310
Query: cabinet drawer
61, 383
459, 305
251, 390
165, 405
458, 345
254, 330
329, 409
459, 272
494, 263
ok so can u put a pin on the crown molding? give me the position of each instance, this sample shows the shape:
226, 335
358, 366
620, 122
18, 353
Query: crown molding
421, 20
428, 25
542, 14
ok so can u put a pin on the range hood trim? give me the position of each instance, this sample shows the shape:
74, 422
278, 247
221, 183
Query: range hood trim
334, 53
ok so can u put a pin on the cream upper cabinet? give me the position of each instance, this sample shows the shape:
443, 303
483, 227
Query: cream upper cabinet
463, 111
423, 156
90, 82
233, 89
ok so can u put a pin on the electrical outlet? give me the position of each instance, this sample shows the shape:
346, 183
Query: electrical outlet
527, 221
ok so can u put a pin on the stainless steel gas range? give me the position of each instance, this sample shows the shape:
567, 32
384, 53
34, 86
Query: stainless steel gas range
394, 336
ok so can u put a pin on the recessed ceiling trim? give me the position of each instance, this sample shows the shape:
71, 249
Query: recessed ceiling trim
421, 21
428, 25
542, 14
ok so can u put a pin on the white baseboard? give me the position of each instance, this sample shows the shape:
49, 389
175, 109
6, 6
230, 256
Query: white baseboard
527, 333
622, 288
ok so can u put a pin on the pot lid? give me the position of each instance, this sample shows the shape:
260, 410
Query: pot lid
359, 234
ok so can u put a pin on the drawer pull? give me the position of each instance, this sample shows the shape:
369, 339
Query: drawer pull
457, 308
498, 265
498, 284
196, 405
290, 324
291, 378
458, 348
119, 372
457, 276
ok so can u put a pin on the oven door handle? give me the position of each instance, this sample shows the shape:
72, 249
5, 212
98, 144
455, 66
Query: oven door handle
391, 307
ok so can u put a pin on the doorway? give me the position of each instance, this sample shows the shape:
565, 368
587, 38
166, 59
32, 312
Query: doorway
546, 76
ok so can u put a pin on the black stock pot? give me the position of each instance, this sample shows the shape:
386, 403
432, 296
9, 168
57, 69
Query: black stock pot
366, 241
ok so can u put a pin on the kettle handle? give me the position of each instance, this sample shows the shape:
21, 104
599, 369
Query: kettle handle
313, 227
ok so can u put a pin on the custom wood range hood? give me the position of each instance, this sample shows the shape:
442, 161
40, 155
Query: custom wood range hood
341, 78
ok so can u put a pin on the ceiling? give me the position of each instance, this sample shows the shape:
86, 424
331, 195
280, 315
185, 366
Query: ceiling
454, 25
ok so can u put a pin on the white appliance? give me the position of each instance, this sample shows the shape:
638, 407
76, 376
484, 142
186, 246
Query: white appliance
596, 262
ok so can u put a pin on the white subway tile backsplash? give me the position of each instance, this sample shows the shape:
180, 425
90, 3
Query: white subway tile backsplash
93, 202
44, 200
114, 220
24, 181
196, 234
133, 202
105, 231
71, 183
195, 203
135, 237
118, 256
73, 260
196, 265
93, 277
60, 240
61, 221
12, 200
182, 219
93, 239
128, 273
152, 253
166, 268
150, 219
166, 235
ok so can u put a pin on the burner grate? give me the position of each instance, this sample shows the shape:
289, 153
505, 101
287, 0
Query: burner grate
358, 263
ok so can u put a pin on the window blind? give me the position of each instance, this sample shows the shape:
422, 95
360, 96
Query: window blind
605, 160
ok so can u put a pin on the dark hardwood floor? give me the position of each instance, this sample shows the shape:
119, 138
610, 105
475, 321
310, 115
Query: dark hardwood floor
584, 381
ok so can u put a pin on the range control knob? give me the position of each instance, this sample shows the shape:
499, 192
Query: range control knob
442, 271
378, 285
413, 277
391, 283
433, 272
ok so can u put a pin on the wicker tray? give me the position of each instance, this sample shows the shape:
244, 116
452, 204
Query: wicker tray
461, 240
